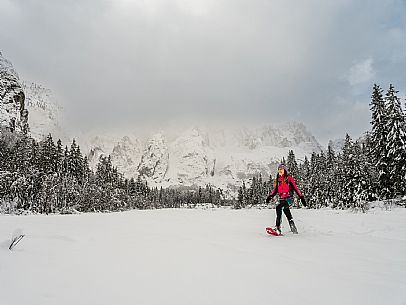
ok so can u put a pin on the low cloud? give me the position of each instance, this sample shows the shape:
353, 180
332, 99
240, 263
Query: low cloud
362, 72
134, 60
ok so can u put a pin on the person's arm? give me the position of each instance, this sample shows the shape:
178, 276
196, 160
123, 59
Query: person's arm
271, 195
293, 183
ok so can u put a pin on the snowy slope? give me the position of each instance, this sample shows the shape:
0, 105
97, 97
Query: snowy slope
217, 256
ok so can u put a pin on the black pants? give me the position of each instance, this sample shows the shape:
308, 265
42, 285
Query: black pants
283, 205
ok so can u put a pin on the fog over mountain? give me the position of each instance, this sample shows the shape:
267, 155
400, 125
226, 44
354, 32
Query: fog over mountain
124, 61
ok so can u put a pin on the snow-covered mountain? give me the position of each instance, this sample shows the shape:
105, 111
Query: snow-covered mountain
222, 155
20, 99
45, 112
154, 162
13, 113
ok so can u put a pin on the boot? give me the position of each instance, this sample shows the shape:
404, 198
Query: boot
292, 226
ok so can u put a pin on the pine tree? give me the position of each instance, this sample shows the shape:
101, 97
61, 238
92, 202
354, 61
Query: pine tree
315, 182
104, 171
59, 157
24, 154
132, 187
263, 190
65, 162
4, 148
48, 155
379, 140
253, 192
322, 179
305, 174
240, 199
292, 164
349, 168
395, 143
139, 186
76, 166
369, 167
87, 172
404, 155
361, 182
34, 155
244, 195
331, 169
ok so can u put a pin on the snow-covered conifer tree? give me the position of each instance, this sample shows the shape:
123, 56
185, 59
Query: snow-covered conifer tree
379, 140
348, 168
331, 175
395, 143
292, 164
305, 185
360, 179
59, 157
48, 155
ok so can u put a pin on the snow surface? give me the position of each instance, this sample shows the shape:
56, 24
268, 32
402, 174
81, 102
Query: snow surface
212, 256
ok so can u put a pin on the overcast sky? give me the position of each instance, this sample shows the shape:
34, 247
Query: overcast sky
252, 60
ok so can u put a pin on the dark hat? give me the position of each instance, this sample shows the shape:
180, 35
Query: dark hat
282, 165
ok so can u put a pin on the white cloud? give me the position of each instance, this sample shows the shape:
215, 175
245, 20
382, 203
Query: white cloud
196, 7
259, 59
361, 72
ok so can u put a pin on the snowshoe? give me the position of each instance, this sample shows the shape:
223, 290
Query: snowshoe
274, 231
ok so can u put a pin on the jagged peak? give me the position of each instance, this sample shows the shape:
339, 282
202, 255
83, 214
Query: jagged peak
7, 67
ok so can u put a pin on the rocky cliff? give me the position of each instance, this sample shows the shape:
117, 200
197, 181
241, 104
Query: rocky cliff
13, 113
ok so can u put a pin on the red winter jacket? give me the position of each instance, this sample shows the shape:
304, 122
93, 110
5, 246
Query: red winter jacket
284, 188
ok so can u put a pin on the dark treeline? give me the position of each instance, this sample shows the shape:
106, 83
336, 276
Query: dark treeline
368, 169
44, 177
255, 193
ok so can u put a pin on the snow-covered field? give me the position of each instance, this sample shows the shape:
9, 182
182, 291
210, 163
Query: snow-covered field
202, 256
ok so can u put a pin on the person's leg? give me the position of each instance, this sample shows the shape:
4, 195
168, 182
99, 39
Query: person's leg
289, 216
279, 214
287, 212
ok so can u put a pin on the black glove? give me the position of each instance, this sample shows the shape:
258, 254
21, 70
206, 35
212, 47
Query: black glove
303, 201
268, 199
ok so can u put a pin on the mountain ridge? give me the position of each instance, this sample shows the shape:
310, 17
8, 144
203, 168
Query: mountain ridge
199, 156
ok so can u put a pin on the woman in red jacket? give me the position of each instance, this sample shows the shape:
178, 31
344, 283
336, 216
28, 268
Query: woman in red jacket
284, 185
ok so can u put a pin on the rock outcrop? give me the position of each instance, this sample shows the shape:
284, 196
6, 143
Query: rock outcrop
13, 113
